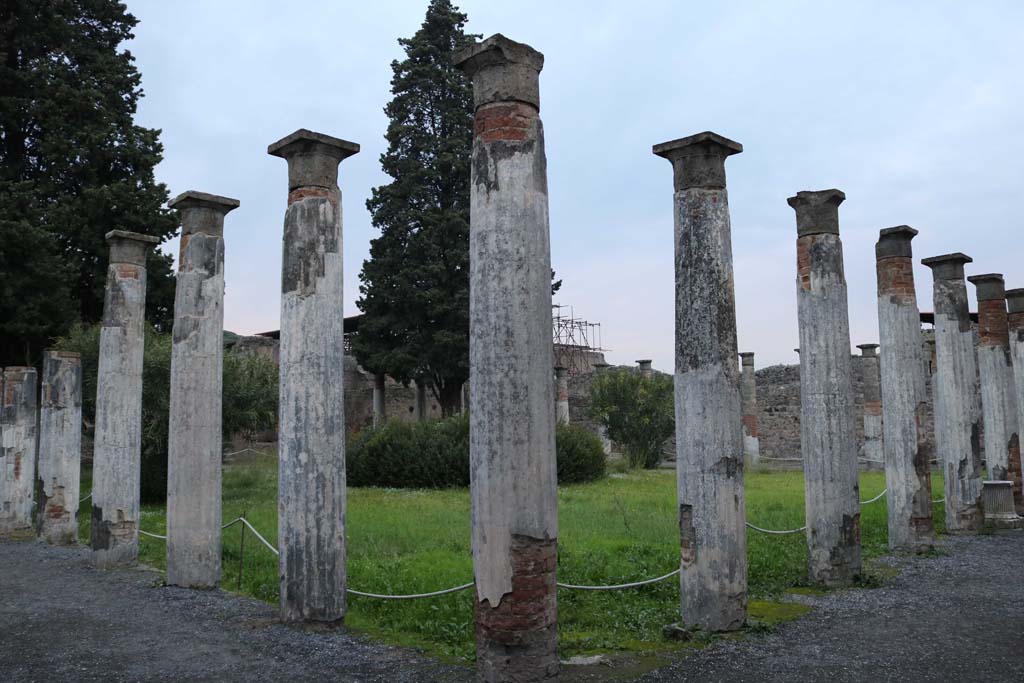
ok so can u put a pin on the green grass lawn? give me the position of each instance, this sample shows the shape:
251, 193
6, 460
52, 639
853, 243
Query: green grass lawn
617, 530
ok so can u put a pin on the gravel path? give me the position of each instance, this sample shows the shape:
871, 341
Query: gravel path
956, 617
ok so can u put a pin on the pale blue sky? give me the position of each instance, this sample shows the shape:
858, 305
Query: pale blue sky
912, 108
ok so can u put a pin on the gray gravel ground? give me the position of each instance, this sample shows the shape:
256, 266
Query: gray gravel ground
957, 617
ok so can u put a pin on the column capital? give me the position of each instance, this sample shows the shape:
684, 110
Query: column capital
990, 286
502, 70
202, 212
698, 160
894, 242
129, 247
817, 211
747, 357
1015, 300
312, 158
947, 266
868, 350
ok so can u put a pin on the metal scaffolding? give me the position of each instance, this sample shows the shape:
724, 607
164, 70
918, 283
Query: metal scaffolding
577, 341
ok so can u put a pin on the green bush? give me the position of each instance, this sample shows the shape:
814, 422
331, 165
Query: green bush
249, 398
637, 412
435, 454
580, 455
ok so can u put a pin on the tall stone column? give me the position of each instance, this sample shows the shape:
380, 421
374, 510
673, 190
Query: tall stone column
602, 431
379, 396
311, 469
998, 393
1015, 333
561, 395
512, 412
646, 370
17, 448
60, 447
872, 450
748, 397
827, 434
195, 442
420, 407
906, 445
117, 443
954, 386
709, 431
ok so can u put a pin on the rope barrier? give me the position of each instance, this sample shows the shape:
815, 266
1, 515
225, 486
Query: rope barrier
86, 498
619, 586
245, 450
868, 502
777, 533
411, 596
146, 533
940, 500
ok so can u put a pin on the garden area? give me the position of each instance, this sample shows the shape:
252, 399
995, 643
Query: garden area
618, 529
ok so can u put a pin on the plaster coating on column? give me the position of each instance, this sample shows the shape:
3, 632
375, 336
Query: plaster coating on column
954, 386
60, 447
748, 396
646, 370
1015, 334
311, 470
17, 448
512, 412
872, 448
906, 445
562, 395
379, 396
117, 444
195, 442
827, 433
998, 393
709, 430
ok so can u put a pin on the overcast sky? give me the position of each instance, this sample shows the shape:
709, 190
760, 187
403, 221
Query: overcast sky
913, 109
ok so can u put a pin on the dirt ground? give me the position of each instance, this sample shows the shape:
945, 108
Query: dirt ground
955, 617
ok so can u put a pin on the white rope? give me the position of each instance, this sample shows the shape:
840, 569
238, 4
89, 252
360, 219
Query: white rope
272, 549
777, 533
868, 502
410, 596
86, 498
619, 586
244, 450
146, 533
936, 502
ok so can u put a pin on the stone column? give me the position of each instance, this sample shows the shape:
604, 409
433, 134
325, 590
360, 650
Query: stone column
872, 450
748, 396
562, 395
827, 434
954, 386
117, 443
998, 393
379, 396
1015, 333
709, 431
60, 447
512, 412
646, 371
195, 442
907, 449
420, 407
602, 431
311, 469
17, 448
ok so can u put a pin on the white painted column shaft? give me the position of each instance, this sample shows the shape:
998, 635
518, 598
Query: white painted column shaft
748, 396
60, 447
311, 471
17, 448
195, 443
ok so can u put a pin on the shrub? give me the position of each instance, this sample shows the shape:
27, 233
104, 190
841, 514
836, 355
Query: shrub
637, 411
580, 455
435, 455
249, 399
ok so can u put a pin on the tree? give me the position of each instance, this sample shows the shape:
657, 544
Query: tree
637, 412
73, 166
415, 285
